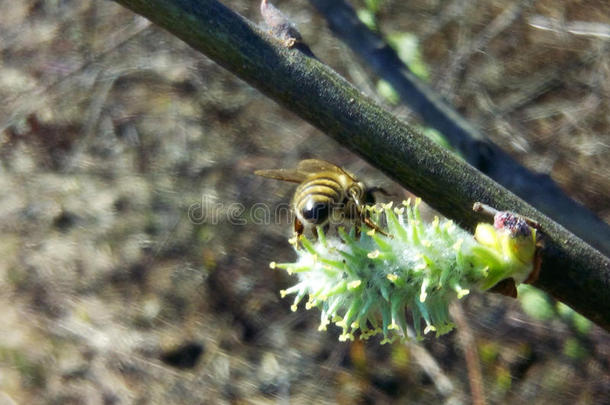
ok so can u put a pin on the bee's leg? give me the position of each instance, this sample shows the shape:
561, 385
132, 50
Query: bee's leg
363, 215
298, 227
374, 226
505, 287
298, 231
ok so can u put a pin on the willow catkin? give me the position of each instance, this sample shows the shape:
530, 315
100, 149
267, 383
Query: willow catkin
365, 284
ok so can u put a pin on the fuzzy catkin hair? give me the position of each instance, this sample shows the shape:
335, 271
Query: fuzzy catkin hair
364, 285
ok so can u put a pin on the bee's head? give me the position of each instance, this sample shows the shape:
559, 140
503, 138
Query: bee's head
369, 196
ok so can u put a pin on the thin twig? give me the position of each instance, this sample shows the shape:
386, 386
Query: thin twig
585, 28
471, 355
430, 366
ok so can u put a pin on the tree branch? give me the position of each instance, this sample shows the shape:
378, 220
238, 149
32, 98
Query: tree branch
572, 271
538, 189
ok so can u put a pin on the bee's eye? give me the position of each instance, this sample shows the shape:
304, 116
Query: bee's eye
315, 212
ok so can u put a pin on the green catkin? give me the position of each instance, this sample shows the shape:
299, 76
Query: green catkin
365, 285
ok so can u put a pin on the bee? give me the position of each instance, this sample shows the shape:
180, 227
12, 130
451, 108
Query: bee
326, 194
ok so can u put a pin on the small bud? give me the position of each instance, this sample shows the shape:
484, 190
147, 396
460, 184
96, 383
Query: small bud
512, 223
281, 27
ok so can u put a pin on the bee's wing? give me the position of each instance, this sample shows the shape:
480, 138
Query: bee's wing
317, 165
292, 175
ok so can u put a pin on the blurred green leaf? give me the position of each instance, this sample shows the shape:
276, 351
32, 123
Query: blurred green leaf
400, 356
535, 303
503, 379
564, 310
437, 138
406, 46
572, 348
386, 90
367, 18
489, 351
582, 324
373, 5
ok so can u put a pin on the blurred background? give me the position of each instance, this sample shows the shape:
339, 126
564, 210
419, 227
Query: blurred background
134, 269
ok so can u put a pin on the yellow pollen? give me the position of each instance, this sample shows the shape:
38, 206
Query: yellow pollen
462, 292
374, 254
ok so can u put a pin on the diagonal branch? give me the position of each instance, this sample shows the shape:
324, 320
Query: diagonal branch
540, 190
573, 271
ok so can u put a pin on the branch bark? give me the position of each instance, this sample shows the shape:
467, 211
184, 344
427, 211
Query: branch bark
572, 271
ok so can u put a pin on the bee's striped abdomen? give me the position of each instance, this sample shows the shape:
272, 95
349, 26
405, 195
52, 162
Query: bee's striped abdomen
315, 198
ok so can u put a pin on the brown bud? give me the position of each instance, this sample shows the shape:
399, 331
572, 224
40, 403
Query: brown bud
512, 223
